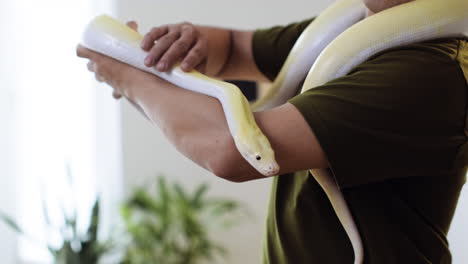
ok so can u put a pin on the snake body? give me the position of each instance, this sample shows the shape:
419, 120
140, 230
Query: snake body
325, 28
331, 47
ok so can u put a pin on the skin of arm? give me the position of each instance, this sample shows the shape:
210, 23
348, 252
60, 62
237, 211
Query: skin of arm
195, 123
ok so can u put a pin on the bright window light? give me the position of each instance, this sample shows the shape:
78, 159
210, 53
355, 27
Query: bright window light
55, 116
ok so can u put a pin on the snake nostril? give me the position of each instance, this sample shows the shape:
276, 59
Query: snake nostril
258, 157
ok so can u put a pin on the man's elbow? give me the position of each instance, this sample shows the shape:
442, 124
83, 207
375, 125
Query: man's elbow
230, 176
229, 165
223, 167
219, 156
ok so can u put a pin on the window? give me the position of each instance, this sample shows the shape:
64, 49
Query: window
57, 121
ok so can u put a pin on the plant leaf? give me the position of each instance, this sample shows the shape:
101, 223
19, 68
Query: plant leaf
143, 201
197, 197
164, 193
45, 210
71, 220
182, 194
94, 223
11, 223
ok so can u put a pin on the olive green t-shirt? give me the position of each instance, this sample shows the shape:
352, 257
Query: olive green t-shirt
394, 132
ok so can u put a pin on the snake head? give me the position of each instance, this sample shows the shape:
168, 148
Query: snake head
259, 154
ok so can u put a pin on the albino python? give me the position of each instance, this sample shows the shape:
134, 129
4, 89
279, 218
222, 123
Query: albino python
330, 47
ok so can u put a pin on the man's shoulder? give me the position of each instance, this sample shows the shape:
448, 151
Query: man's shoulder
437, 53
418, 68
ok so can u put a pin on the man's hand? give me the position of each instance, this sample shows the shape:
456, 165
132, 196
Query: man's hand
115, 73
217, 52
169, 44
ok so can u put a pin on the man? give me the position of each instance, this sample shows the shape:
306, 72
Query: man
392, 132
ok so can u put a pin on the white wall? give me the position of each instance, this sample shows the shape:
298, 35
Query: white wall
146, 152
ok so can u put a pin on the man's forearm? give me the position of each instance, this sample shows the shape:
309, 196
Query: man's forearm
230, 54
219, 48
194, 123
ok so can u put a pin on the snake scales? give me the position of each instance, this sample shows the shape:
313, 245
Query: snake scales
322, 53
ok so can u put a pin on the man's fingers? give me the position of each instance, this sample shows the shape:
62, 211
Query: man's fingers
83, 52
86, 53
154, 34
133, 25
99, 78
160, 48
194, 57
176, 51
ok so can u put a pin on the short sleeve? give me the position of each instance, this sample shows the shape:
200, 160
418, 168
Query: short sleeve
400, 114
271, 46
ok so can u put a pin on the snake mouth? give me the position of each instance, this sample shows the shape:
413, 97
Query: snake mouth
272, 170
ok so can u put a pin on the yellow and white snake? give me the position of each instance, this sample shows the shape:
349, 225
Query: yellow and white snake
330, 47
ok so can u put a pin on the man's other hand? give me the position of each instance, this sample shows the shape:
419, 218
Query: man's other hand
170, 44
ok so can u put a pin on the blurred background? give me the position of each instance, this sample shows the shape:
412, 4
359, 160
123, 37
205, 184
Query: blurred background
64, 141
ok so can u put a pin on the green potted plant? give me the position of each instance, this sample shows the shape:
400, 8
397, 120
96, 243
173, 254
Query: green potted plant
173, 226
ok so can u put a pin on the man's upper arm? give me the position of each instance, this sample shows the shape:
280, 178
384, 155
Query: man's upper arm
295, 144
293, 139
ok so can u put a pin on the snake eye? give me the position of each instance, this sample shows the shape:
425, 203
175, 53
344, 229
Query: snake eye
258, 157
